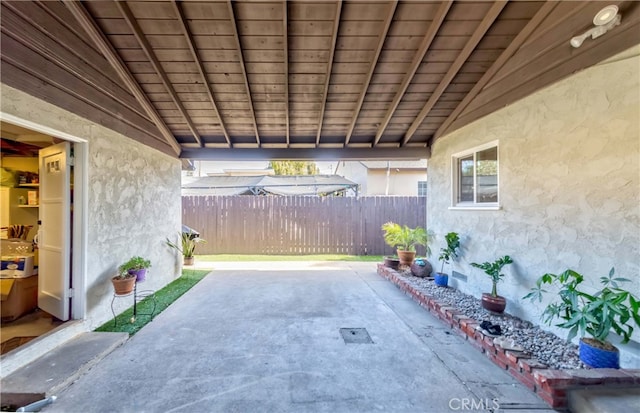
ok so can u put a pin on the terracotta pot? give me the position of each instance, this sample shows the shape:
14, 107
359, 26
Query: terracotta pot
406, 257
493, 304
189, 260
124, 286
392, 263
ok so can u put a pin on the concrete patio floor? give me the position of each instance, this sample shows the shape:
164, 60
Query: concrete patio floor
258, 337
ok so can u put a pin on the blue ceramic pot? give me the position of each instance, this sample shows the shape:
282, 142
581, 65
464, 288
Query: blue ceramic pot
598, 358
441, 279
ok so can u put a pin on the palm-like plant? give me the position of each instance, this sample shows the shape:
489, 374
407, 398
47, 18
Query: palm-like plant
188, 243
493, 270
404, 238
610, 308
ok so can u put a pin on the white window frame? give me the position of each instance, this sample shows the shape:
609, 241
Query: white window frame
455, 179
424, 183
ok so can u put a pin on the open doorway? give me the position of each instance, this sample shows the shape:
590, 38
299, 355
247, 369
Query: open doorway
37, 207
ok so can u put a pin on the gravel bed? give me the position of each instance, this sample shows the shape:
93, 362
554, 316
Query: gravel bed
548, 348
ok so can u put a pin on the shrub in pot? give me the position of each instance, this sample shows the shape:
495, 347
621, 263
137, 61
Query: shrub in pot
187, 246
137, 266
405, 240
492, 301
446, 255
596, 315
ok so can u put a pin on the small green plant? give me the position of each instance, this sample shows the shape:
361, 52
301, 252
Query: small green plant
188, 243
134, 263
493, 270
404, 238
610, 308
450, 252
122, 274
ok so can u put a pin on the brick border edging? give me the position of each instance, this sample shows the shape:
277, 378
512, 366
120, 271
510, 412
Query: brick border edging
551, 385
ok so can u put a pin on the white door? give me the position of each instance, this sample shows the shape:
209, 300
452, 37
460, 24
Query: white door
54, 234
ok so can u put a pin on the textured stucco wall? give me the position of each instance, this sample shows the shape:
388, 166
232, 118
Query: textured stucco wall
134, 201
569, 185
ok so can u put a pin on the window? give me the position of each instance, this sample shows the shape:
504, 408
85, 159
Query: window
475, 177
422, 188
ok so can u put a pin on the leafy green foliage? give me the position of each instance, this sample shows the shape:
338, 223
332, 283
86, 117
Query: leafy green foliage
134, 263
164, 297
494, 271
188, 243
405, 238
450, 252
294, 167
610, 308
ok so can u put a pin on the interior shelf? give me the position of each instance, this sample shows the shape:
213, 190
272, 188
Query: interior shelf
28, 206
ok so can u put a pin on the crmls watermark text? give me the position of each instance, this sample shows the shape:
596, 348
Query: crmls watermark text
467, 403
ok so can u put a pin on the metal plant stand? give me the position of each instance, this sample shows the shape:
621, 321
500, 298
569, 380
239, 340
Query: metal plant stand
137, 295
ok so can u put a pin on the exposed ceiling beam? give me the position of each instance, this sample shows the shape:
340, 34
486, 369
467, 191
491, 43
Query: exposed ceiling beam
372, 68
438, 19
285, 42
464, 54
198, 61
558, 67
496, 66
336, 27
262, 154
104, 46
148, 51
236, 35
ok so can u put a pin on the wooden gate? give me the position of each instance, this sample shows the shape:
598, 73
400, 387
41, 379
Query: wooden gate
298, 225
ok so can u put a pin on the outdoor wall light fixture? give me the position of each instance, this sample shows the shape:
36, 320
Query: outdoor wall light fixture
605, 20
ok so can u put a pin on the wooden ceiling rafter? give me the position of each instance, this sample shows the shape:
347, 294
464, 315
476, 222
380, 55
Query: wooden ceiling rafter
285, 47
198, 61
464, 54
623, 37
363, 93
243, 67
391, 60
157, 66
334, 39
433, 29
513, 47
108, 51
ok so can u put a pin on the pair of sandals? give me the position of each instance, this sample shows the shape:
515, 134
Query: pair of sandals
492, 330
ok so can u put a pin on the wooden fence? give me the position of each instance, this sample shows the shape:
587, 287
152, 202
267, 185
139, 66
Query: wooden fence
298, 225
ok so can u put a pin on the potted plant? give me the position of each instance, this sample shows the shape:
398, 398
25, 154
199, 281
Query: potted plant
405, 240
187, 246
610, 308
446, 255
492, 301
123, 282
137, 266
392, 262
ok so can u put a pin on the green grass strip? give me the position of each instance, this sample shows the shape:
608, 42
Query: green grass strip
164, 298
318, 257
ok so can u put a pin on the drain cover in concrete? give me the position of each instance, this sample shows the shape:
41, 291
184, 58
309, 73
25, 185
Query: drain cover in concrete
355, 336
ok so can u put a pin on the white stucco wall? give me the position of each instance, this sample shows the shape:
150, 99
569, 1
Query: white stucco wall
569, 179
133, 196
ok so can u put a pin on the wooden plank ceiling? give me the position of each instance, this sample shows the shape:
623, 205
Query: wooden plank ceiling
296, 79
